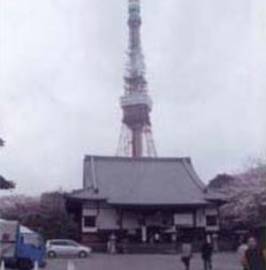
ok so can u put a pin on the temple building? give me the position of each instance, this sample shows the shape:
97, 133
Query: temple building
138, 198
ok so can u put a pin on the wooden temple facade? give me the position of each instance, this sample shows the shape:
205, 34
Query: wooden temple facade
143, 200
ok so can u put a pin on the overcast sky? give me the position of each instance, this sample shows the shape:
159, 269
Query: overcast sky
61, 70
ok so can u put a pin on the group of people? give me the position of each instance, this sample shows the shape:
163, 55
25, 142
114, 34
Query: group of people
206, 254
251, 255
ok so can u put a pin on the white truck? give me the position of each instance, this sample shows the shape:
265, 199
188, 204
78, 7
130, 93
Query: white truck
20, 247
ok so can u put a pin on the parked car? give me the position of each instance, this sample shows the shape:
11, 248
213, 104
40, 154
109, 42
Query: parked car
65, 247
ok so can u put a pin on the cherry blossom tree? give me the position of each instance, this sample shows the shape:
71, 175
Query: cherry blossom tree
246, 193
45, 214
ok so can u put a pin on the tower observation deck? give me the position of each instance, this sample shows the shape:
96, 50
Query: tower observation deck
136, 136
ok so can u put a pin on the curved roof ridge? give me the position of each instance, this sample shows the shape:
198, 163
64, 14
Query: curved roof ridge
193, 175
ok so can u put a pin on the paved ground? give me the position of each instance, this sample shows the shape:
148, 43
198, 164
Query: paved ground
223, 261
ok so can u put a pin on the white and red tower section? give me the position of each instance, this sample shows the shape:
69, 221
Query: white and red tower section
136, 138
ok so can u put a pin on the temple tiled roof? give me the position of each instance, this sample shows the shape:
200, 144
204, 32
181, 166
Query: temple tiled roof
143, 181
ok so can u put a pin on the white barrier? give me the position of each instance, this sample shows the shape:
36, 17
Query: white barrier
36, 265
2, 267
70, 265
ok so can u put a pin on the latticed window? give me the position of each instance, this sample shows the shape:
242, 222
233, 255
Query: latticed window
211, 220
90, 221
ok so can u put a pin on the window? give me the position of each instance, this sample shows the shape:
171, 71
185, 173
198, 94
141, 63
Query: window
31, 239
211, 220
63, 243
89, 221
58, 243
73, 243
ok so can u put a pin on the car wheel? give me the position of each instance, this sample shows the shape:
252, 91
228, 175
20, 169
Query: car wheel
83, 254
51, 254
25, 264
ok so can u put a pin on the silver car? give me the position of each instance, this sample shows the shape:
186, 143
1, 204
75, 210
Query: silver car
65, 247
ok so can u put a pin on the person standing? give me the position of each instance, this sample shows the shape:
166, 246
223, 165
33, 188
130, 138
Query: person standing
255, 257
111, 244
241, 251
186, 254
206, 254
157, 238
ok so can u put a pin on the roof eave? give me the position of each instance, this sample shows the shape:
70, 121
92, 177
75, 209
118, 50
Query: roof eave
217, 201
157, 205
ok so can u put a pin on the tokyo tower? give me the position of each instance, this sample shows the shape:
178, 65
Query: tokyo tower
136, 138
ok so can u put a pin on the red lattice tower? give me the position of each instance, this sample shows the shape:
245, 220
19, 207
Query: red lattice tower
136, 138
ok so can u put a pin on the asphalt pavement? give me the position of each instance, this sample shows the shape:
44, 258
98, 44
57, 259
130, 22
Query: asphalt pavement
221, 261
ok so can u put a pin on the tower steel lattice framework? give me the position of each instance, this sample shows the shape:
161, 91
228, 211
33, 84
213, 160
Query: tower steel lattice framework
136, 139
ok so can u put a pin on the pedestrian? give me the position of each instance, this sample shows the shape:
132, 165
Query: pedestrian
111, 244
255, 257
157, 238
186, 254
206, 254
124, 244
242, 251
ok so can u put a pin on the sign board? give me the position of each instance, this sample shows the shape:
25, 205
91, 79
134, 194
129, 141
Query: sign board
183, 220
8, 237
89, 212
